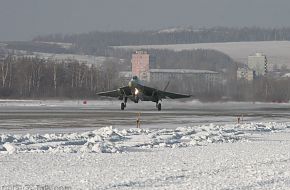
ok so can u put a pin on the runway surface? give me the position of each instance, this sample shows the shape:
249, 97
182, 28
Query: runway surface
63, 116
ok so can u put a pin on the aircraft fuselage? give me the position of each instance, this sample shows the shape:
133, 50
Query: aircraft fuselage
138, 92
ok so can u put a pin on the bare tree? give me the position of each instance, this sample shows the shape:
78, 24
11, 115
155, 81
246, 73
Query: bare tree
6, 68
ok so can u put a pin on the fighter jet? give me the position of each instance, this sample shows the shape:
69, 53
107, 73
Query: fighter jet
137, 91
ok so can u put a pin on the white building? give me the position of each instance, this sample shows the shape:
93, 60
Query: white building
258, 63
180, 74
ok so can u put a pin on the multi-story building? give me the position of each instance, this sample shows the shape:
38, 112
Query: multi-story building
142, 62
258, 63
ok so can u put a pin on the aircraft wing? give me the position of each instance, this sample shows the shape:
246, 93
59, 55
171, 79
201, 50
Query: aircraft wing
116, 93
164, 94
113, 93
173, 95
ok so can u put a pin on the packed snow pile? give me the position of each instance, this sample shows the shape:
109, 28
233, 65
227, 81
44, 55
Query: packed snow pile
109, 140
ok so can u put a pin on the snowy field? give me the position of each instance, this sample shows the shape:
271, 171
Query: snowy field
184, 155
249, 156
277, 51
87, 59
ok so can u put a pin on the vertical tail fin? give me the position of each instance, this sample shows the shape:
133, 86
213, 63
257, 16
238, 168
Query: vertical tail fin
166, 85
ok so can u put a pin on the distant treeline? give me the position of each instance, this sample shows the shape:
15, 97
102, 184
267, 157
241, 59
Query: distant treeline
38, 78
31, 46
98, 43
72, 79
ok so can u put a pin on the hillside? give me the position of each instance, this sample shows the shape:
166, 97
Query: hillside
277, 51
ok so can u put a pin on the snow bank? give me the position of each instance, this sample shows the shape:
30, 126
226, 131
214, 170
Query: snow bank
10, 148
109, 140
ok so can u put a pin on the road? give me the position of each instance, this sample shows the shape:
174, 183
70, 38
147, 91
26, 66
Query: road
42, 116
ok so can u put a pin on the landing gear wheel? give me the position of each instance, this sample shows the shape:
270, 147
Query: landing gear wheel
159, 107
123, 106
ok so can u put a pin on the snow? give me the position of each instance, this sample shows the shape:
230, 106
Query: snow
276, 51
178, 29
2, 44
113, 140
87, 59
287, 75
61, 44
169, 154
10, 148
257, 159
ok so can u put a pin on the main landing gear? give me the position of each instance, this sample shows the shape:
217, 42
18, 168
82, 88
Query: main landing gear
158, 106
124, 104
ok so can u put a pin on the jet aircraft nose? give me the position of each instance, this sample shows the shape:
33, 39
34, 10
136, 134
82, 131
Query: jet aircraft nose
132, 83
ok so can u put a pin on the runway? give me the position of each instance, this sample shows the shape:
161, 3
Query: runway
38, 116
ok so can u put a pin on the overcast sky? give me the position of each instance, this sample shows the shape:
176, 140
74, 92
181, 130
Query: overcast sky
25, 19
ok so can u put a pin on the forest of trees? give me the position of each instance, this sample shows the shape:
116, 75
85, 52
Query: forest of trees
98, 43
38, 78
25, 77
101, 78
263, 89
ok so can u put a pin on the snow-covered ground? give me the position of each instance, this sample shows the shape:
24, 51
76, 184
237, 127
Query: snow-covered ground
276, 51
188, 145
232, 156
87, 59
61, 44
